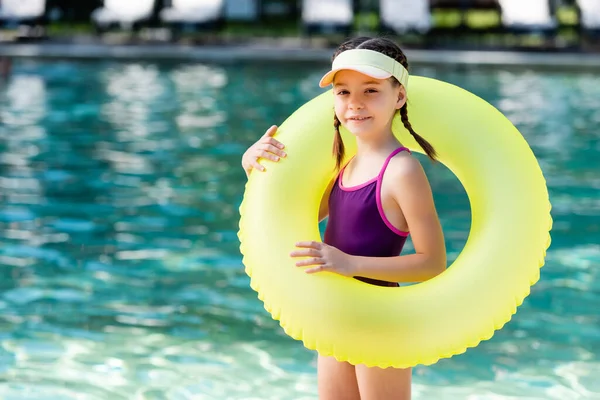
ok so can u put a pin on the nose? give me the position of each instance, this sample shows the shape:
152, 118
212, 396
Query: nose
355, 103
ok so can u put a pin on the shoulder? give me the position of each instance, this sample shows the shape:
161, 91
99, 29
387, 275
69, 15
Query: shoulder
405, 166
406, 172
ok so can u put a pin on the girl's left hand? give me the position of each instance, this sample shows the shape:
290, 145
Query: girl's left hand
325, 257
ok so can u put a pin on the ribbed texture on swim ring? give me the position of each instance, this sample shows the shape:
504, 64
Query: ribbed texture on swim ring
295, 332
273, 215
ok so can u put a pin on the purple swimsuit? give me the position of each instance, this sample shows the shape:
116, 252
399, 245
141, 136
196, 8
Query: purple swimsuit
357, 224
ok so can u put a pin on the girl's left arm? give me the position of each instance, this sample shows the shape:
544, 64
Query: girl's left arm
412, 193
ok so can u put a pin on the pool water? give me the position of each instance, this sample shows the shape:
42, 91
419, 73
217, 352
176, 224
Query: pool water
121, 275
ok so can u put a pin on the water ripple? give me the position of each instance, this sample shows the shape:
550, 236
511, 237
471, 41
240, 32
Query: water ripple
120, 187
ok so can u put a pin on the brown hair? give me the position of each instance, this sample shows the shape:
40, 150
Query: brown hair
390, 49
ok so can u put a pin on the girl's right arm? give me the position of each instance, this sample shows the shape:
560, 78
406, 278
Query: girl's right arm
265, 147
269, 147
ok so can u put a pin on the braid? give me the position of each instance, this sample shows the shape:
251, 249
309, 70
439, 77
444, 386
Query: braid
338, 144
425, 145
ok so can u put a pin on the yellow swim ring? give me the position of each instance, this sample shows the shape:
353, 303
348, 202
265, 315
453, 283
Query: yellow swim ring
422, 323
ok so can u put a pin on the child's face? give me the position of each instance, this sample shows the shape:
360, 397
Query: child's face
365, 105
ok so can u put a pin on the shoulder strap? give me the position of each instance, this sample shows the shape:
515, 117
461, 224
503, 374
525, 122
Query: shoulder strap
387, 160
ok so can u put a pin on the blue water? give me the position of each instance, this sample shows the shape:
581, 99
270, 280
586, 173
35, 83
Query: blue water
121, 276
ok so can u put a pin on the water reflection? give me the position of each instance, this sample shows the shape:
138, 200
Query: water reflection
120, 186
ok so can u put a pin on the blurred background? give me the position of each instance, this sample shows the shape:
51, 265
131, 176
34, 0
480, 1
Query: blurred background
536, 24
122, 125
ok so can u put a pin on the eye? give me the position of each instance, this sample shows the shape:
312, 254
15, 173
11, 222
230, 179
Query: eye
371, 90
342, 92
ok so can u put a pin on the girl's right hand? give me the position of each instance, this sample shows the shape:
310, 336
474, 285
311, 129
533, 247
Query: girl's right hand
266, 147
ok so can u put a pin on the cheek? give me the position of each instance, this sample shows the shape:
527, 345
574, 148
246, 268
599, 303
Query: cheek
386, 106
339, 108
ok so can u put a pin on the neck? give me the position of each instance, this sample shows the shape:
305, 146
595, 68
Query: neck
376, 144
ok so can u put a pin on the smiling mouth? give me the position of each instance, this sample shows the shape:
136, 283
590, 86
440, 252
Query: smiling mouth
358, 118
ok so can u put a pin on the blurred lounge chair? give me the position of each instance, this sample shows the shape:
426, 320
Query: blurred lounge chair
196, 13
242, 10
530, 16
589, 17
27, 14
127, 14
327, 16
403, 16
462, 9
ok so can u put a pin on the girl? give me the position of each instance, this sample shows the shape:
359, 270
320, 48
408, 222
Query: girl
380, 195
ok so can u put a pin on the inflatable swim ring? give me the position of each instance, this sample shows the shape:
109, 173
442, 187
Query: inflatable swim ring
417, 324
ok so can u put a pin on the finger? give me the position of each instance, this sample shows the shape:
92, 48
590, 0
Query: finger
309, 245
319, 268
266, 154
274, 142
273, 149
305, 253
257, 165
310, 261
271, 131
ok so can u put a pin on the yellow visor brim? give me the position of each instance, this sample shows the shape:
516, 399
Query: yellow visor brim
373, 72
368, 62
